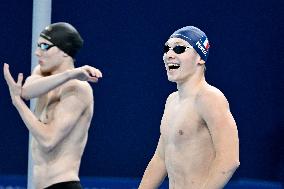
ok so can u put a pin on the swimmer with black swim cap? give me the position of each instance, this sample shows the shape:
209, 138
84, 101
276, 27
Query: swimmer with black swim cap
64, 107
64, 36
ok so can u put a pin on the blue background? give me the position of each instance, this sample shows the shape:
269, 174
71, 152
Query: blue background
124, 39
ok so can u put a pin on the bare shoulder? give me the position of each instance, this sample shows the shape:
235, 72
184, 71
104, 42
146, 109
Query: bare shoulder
37, 71
172, 96
80, 89
210, 98
171, 99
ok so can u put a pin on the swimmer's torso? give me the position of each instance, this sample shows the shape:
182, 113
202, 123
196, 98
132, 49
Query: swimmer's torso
63, 161
187, 144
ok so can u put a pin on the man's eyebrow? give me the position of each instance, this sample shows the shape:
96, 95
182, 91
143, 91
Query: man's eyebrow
178, 42
175, 43
44, 43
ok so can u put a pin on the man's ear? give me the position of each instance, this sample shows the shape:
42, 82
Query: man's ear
200, 61
64, 54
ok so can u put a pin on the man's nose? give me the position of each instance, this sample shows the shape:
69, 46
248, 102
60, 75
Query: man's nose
170, 55
38, 52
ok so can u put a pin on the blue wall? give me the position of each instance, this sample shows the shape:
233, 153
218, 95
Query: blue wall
125, 39
15, 49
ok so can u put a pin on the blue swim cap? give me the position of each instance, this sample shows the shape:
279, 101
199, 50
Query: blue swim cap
196, 38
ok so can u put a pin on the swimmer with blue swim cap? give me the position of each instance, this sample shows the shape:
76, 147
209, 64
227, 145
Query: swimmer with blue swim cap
188, 41
196, 38
198, 145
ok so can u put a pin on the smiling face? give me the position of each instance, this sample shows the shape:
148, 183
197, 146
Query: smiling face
49, 56
181, 60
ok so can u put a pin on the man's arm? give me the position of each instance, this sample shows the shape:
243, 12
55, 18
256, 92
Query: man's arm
214, 108
156, 171
37, 84
74, 100
66, 115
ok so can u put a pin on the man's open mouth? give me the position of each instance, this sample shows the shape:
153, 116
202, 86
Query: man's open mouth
173, 66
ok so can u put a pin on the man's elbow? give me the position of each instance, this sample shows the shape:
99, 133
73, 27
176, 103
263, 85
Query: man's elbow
237, 164
234, 164
230, 163
24, 94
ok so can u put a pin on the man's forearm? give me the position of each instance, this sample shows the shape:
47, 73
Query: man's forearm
220, 173
39, 131
43, 85
154, 174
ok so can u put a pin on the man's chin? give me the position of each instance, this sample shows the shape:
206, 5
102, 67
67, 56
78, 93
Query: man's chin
171, 79
44, 71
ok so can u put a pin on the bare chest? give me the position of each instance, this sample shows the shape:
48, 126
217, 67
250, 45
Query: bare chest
46, 105
181, 123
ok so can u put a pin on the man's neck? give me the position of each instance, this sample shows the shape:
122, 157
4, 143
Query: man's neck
68, 64
190, 87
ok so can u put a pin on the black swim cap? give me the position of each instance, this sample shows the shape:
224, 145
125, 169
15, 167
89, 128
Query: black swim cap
64, 36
